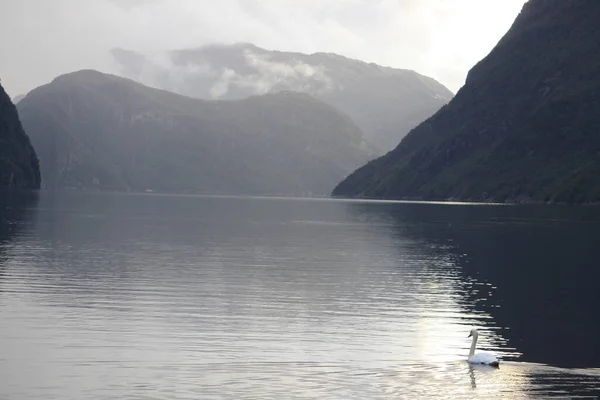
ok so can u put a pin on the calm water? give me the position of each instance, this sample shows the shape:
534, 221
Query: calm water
147, 297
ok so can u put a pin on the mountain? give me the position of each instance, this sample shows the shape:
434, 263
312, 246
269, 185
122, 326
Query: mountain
18, 98
18, 162
384, 102
525, 126
102, 132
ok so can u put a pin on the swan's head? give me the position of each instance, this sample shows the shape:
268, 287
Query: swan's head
473, 333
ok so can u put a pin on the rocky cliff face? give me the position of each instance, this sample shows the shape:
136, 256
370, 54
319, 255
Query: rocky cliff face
526, 125
19, 167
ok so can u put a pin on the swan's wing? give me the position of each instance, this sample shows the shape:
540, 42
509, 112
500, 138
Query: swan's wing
483, 358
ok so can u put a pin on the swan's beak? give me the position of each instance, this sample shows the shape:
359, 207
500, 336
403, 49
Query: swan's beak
470, 334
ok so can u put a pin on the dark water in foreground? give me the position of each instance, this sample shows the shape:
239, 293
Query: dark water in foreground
145, 297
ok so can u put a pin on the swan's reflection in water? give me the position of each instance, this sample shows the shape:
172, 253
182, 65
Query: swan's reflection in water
472, 376
457, 380
512, 378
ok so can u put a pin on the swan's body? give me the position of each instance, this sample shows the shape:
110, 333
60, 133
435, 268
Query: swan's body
482, 357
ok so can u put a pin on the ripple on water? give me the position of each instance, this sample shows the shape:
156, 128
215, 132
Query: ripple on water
301, 300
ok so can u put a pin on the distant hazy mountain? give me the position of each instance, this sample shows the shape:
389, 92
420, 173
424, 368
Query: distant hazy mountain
18, 98
526, 125
18, 162
98, 131
385, 102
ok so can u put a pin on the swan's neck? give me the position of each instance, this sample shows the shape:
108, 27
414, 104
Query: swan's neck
473, 346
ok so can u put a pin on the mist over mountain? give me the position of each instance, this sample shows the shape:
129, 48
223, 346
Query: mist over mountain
18, 98
101, 132
526, 125
384, 102
18, 162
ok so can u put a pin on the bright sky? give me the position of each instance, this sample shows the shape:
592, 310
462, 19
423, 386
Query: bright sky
41, 39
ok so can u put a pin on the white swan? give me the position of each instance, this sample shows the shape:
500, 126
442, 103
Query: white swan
482, 357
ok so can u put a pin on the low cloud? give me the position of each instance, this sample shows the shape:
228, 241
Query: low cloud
298, 76
439, 38
258, 75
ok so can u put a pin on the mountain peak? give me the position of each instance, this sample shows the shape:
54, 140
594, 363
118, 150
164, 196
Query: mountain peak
385, 102
99, 131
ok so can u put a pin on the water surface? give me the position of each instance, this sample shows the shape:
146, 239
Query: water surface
183, 297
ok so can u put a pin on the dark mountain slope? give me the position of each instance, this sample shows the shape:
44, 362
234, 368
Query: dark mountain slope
526, 125
18, 162
384, 102
98, 131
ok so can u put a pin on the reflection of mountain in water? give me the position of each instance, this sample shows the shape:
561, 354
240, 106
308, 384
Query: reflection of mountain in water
534, 269
250, 256
16, 209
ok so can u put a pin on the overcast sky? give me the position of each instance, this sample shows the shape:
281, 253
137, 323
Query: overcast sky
41, 39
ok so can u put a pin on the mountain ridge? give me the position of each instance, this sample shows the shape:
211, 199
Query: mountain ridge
97, 131
384, 102
523, 127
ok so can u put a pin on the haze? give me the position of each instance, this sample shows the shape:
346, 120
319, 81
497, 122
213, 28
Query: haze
439, 38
